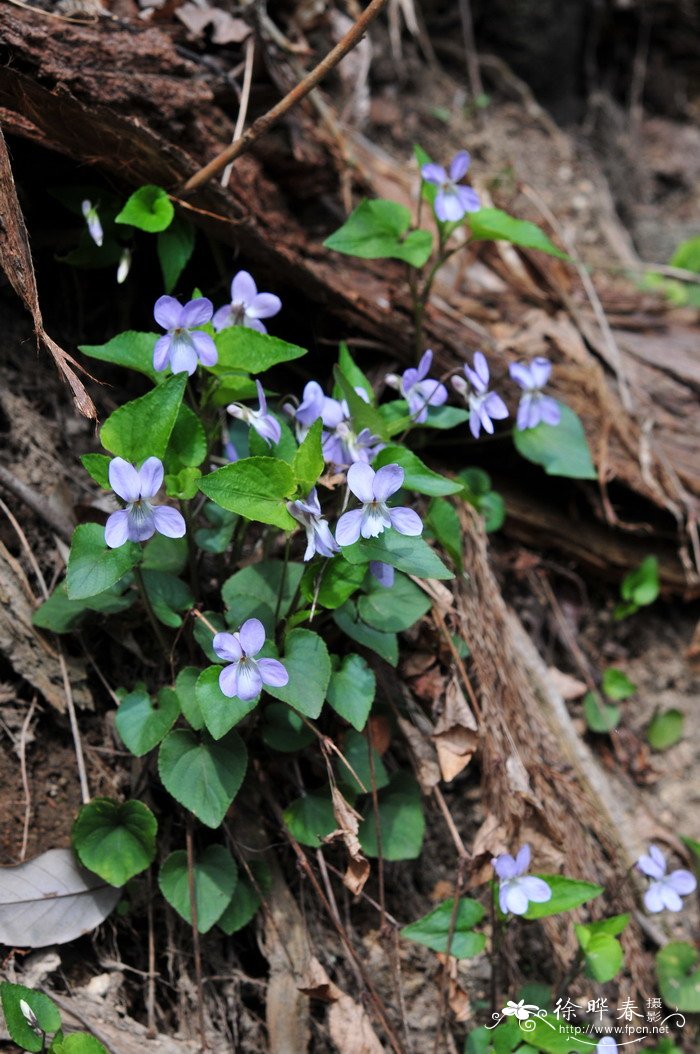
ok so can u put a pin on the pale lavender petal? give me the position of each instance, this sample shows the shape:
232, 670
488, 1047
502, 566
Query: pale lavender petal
117, 529
484, 419
535, 889
333, 412
432, 173
254, 323
273, 672
654, 898
361, 481
268, 427
503, 898
495, 407
124, 479
206, 348
95, 228
384, 573
606, 1045
671, 900
550, 410
264, 305
657, 856
652, 864
682, 882
504, 866
349, 525
227, 646
167, 312
468, 199
522, 860
410, 377
325, 543
243, 288
417, 406
223, 318
249, 679
448, 207
387, 481
228, 680
183, 357
459, 166
406, 521
169, 522
481, 367
528, 415
141, 523
431, 392
516, 899
161, 352
375, 520
252, 636
150, 477
474, 423
262, 401
541, 369
424, 365
311, 406
197, 312
520, 372
230, 451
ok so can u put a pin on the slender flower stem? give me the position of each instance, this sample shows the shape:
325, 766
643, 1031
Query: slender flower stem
157, 629
283, 580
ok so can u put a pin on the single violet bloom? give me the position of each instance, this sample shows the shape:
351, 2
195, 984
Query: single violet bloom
665, 891
318, 534
342, 444
485, 407
383, 573
517, 889
452, 201
374, 490
267, 426
140, 520
418, 389
309, 410
534, 406
93, 223
246, 675
183, 346
247, 306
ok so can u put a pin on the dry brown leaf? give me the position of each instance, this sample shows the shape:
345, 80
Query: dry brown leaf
456, 734
569, 687
350, 1028
379, 732
424, 756
225, 28
348, 825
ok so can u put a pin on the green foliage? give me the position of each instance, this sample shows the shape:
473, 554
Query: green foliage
687, 255
77, 1043
639, 588
417, 476
401, 821
617, 684
477, 491
215, 877
204, 636
413, 556
386, 645
567, 894
187, 446
256, 487
349, 368
495, 225
308, 463
442, 523
168, 595
308, 664
93, 568
364, 415
603, 953
433, 930
97, 466
219, 712
247, 351
246, 901
393, 609
678, 970
61, 615
149, 209
561, 450
141, 723
600, 716
165, 554
378, 230
48, 1018
175, 247
310, 818
665, 729
695, 850
185, 684
130, 349
256, 589
284, 730
351, 690
202, 774
355, 748
141, 429
217, 538
116, 840
333, 583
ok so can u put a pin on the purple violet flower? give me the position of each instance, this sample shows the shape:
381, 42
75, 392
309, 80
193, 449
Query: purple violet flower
93, 223
342, 445
182, 346
383, 573
452, 201
418, 389
665, 891
485, 407
246, 675
247, 305
534, 405
310, 408
517, 889
140, 520
260, 420
318, 534
374, 490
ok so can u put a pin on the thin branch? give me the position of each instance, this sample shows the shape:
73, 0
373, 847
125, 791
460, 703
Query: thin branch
25, 779
299, 92
243, 106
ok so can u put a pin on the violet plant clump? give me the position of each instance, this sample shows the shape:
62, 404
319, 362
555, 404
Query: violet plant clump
248, 307
516, 889
665, 890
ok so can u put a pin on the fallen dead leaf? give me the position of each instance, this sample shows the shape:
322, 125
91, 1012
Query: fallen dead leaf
424, 755
568, 687
348, 825
225, 28
456, 734
350, 1028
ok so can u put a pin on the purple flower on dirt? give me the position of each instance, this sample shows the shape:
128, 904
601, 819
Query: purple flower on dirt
93, 222
183, 346
452, 201
140, 520
318, 534
665, 891
374, 490
246, 675
419, 390
534, 405
517, 889
383, 573
485, 407
247, 306
259, 420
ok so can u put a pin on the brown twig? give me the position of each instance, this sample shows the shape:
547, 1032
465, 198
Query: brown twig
300, 91
475, 85
25, 779
378, 828
151, 987
243, 105
195, 933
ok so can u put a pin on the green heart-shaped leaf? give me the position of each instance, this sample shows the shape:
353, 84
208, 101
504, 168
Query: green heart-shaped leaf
142, 725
